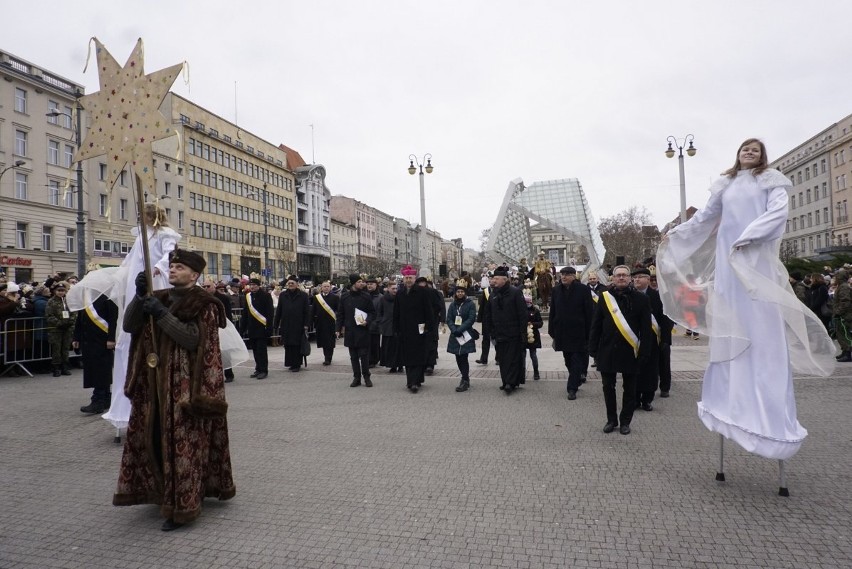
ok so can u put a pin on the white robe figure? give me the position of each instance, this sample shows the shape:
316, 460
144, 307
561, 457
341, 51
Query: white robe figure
759, 331
120, 285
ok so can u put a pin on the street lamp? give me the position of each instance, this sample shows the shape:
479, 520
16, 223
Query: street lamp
81, 219
17, 164
425, 271
266, 268
670, 154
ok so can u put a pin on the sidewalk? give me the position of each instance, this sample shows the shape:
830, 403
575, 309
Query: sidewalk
333, 476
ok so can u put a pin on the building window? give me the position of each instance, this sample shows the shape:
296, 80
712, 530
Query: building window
53, 152
816, 216
69, 155
69, 198
809, 196
20, 186
102, 205
122, 178
53, 192
21, 235
822, 166
122, 208
180, 219
66, 117
70, 240
53, 107
213, 265
168, 188
168, 167
20, 100
825, 189
47, 238
20, 143
180, 192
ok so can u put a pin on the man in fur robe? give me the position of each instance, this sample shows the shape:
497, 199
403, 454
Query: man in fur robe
176, 451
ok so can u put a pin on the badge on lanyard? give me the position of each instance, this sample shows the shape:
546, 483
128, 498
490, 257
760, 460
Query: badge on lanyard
458, 320
66, 314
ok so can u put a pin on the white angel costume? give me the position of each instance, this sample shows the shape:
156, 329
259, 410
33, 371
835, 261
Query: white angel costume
759, 331
119, 284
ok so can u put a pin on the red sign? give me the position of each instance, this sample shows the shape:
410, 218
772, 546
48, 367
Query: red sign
6, 261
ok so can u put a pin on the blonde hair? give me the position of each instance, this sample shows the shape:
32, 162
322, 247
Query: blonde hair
761, 166
155, 215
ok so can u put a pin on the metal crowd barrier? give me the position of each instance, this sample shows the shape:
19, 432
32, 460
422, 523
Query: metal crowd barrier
24, 341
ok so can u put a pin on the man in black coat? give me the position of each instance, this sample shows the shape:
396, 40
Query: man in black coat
324, 313
292, 320
353, 323
650, 376
440, 310
256, 325
571, 310
413, 320
620, 339
384, 316
94, 335
483, 300
375, 332
507, 321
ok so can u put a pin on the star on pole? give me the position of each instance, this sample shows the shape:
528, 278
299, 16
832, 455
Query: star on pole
125, 114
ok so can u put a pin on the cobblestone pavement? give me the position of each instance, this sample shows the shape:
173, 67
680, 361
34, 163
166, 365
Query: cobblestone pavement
331, 476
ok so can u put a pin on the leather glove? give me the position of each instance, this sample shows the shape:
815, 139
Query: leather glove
141, 284
152, 306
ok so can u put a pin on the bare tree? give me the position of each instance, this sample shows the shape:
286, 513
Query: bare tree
622, 235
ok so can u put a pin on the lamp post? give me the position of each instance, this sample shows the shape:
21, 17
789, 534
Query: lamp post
425, 271
267, 270
17, 164
81, 219
670, 154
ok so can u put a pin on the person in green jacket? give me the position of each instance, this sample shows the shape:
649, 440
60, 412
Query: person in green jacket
60, 325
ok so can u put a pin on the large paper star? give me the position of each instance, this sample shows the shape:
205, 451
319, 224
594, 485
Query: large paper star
125, 115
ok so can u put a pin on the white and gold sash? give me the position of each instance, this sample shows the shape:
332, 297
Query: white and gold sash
253, 311
96, 319
326, 307
621, 322
595, 296
486, 293
656, 328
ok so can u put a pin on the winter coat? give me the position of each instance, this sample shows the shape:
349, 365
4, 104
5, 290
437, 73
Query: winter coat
292, 317
53, 315
612, 352
570, 320
250, 326
506, 316
97, 359
376, 297
664, 322
412, 308
467, 311
355, 336
533, 319
324, 324
385, 314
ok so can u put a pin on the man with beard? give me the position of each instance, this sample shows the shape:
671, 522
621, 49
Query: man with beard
324, 313
390, 345
484, 298
292, 320
353, 323
440, 314
571, 310
176, 451
620, 338
413, 320
507, 321
256, 325
657, 369
375, 332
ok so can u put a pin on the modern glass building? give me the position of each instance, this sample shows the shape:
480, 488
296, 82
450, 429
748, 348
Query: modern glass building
560, 205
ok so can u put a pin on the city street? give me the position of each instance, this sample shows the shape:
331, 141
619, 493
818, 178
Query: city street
333, 476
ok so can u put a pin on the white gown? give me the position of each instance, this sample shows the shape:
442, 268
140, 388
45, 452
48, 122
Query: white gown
759, 331
119, 284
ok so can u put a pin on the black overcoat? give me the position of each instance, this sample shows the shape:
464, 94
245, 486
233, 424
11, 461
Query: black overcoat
665, 323
249, 325
97, 359
413, 307
506, 316
482, 302
385, 314
570, 319
355, 336
534, 318
612, 352
325, 325
292, 316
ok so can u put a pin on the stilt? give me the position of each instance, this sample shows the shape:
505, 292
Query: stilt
720, 474
782, 477
117, 438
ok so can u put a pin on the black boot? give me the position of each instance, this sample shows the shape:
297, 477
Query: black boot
536, 376
94, 408
57, 371
464, 385
65, 370
845, 357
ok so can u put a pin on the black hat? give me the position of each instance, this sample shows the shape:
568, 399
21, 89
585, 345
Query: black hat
291, 278
235, 281
501, 272
254, 281
354, 278
419, 280
641, 271
188, 258
568, 270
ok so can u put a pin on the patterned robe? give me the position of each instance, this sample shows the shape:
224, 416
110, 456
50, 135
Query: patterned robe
176, 451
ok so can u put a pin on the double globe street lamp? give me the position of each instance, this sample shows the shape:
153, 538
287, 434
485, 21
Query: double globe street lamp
425, 271
690, 151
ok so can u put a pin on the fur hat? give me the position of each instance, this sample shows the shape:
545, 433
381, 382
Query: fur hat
188, 258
